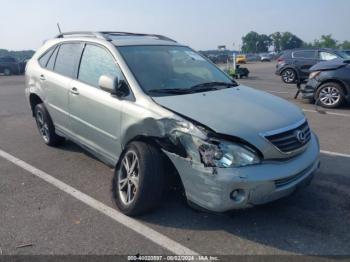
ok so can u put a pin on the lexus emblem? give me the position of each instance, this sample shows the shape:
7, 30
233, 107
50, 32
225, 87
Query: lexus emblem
300, 135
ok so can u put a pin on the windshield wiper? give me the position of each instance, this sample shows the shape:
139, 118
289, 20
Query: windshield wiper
214, 84
169, 91
196, 88
209, 86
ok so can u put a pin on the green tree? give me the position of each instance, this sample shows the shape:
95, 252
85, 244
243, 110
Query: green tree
326, 41
276, 41
290, 41
345, 45
19, 55
255, 43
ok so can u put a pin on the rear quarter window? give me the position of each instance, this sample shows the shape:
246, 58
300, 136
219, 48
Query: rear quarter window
50, 65
45, 57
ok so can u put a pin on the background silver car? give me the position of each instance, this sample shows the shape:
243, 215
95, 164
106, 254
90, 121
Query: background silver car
158, 112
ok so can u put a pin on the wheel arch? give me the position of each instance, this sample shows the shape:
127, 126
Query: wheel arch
172, 175
337, 81
34, 100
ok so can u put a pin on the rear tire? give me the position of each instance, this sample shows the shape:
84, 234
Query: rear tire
289, 76
46, 127
139, 188
330, 95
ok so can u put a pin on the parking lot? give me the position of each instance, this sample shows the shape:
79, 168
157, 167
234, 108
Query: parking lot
58, 200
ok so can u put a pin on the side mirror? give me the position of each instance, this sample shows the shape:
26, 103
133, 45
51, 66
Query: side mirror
113, 86
108, 84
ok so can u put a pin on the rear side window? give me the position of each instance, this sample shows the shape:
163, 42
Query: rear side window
95, 62
327, 56
307, 54
68, 58
45, 58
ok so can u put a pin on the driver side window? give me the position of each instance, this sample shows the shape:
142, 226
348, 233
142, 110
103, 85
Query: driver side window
95, 62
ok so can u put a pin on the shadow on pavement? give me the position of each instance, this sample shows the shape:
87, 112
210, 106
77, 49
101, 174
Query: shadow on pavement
315, 220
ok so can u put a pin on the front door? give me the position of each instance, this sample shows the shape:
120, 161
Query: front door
94, 114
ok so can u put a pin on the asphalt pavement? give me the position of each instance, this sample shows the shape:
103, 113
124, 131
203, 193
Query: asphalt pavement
70, 211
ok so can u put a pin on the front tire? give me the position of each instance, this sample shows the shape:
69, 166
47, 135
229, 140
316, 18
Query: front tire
289, 76
139, 179
46, 127
330, 95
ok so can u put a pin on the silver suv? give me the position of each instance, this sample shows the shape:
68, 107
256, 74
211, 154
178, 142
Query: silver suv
160, 112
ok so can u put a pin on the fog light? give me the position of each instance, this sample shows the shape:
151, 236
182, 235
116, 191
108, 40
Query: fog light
238, 195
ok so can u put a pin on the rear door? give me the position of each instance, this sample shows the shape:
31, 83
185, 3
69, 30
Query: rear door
60, 71
94, 114
304, 60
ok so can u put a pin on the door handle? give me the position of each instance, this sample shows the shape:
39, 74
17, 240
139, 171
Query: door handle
74, 91
42, 77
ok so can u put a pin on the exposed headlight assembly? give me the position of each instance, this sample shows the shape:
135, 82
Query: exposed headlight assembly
226, 154
213, 152
314, 74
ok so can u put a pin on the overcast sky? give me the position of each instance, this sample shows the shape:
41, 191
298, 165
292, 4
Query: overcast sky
202, 24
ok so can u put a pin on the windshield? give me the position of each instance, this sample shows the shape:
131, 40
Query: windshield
345, 54
165, 69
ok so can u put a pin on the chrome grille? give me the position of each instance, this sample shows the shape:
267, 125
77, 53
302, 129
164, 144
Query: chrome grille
292, 139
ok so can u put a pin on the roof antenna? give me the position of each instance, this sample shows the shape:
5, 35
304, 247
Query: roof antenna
59, 28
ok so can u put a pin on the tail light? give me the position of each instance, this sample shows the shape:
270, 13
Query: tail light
280, 60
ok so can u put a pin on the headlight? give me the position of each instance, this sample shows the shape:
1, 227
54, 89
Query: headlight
226, 154
213, 153
314, 74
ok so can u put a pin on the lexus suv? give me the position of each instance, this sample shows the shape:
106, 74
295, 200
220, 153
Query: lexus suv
294, 65
162, 114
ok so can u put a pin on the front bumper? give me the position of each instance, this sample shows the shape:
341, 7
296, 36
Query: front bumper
256, 184
308, 90
279, 68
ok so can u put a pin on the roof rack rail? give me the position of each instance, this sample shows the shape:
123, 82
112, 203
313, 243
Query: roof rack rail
160, 37
82, 33
105, 35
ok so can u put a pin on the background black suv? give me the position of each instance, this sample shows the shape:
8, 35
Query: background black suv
294, 65
10, 66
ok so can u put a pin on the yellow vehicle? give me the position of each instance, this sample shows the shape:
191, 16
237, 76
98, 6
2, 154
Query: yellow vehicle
241, 59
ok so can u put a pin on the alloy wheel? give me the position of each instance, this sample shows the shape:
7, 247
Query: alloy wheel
42, 126
288, 76
329, 96
128, 178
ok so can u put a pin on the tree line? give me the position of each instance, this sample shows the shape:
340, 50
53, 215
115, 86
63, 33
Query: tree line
260, 43
19, 55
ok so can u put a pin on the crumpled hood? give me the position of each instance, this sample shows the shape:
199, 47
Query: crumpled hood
240, 111
328, 65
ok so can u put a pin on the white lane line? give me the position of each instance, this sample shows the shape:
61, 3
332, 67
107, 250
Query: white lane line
277, 92
145, 231
327, 113
334, 153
